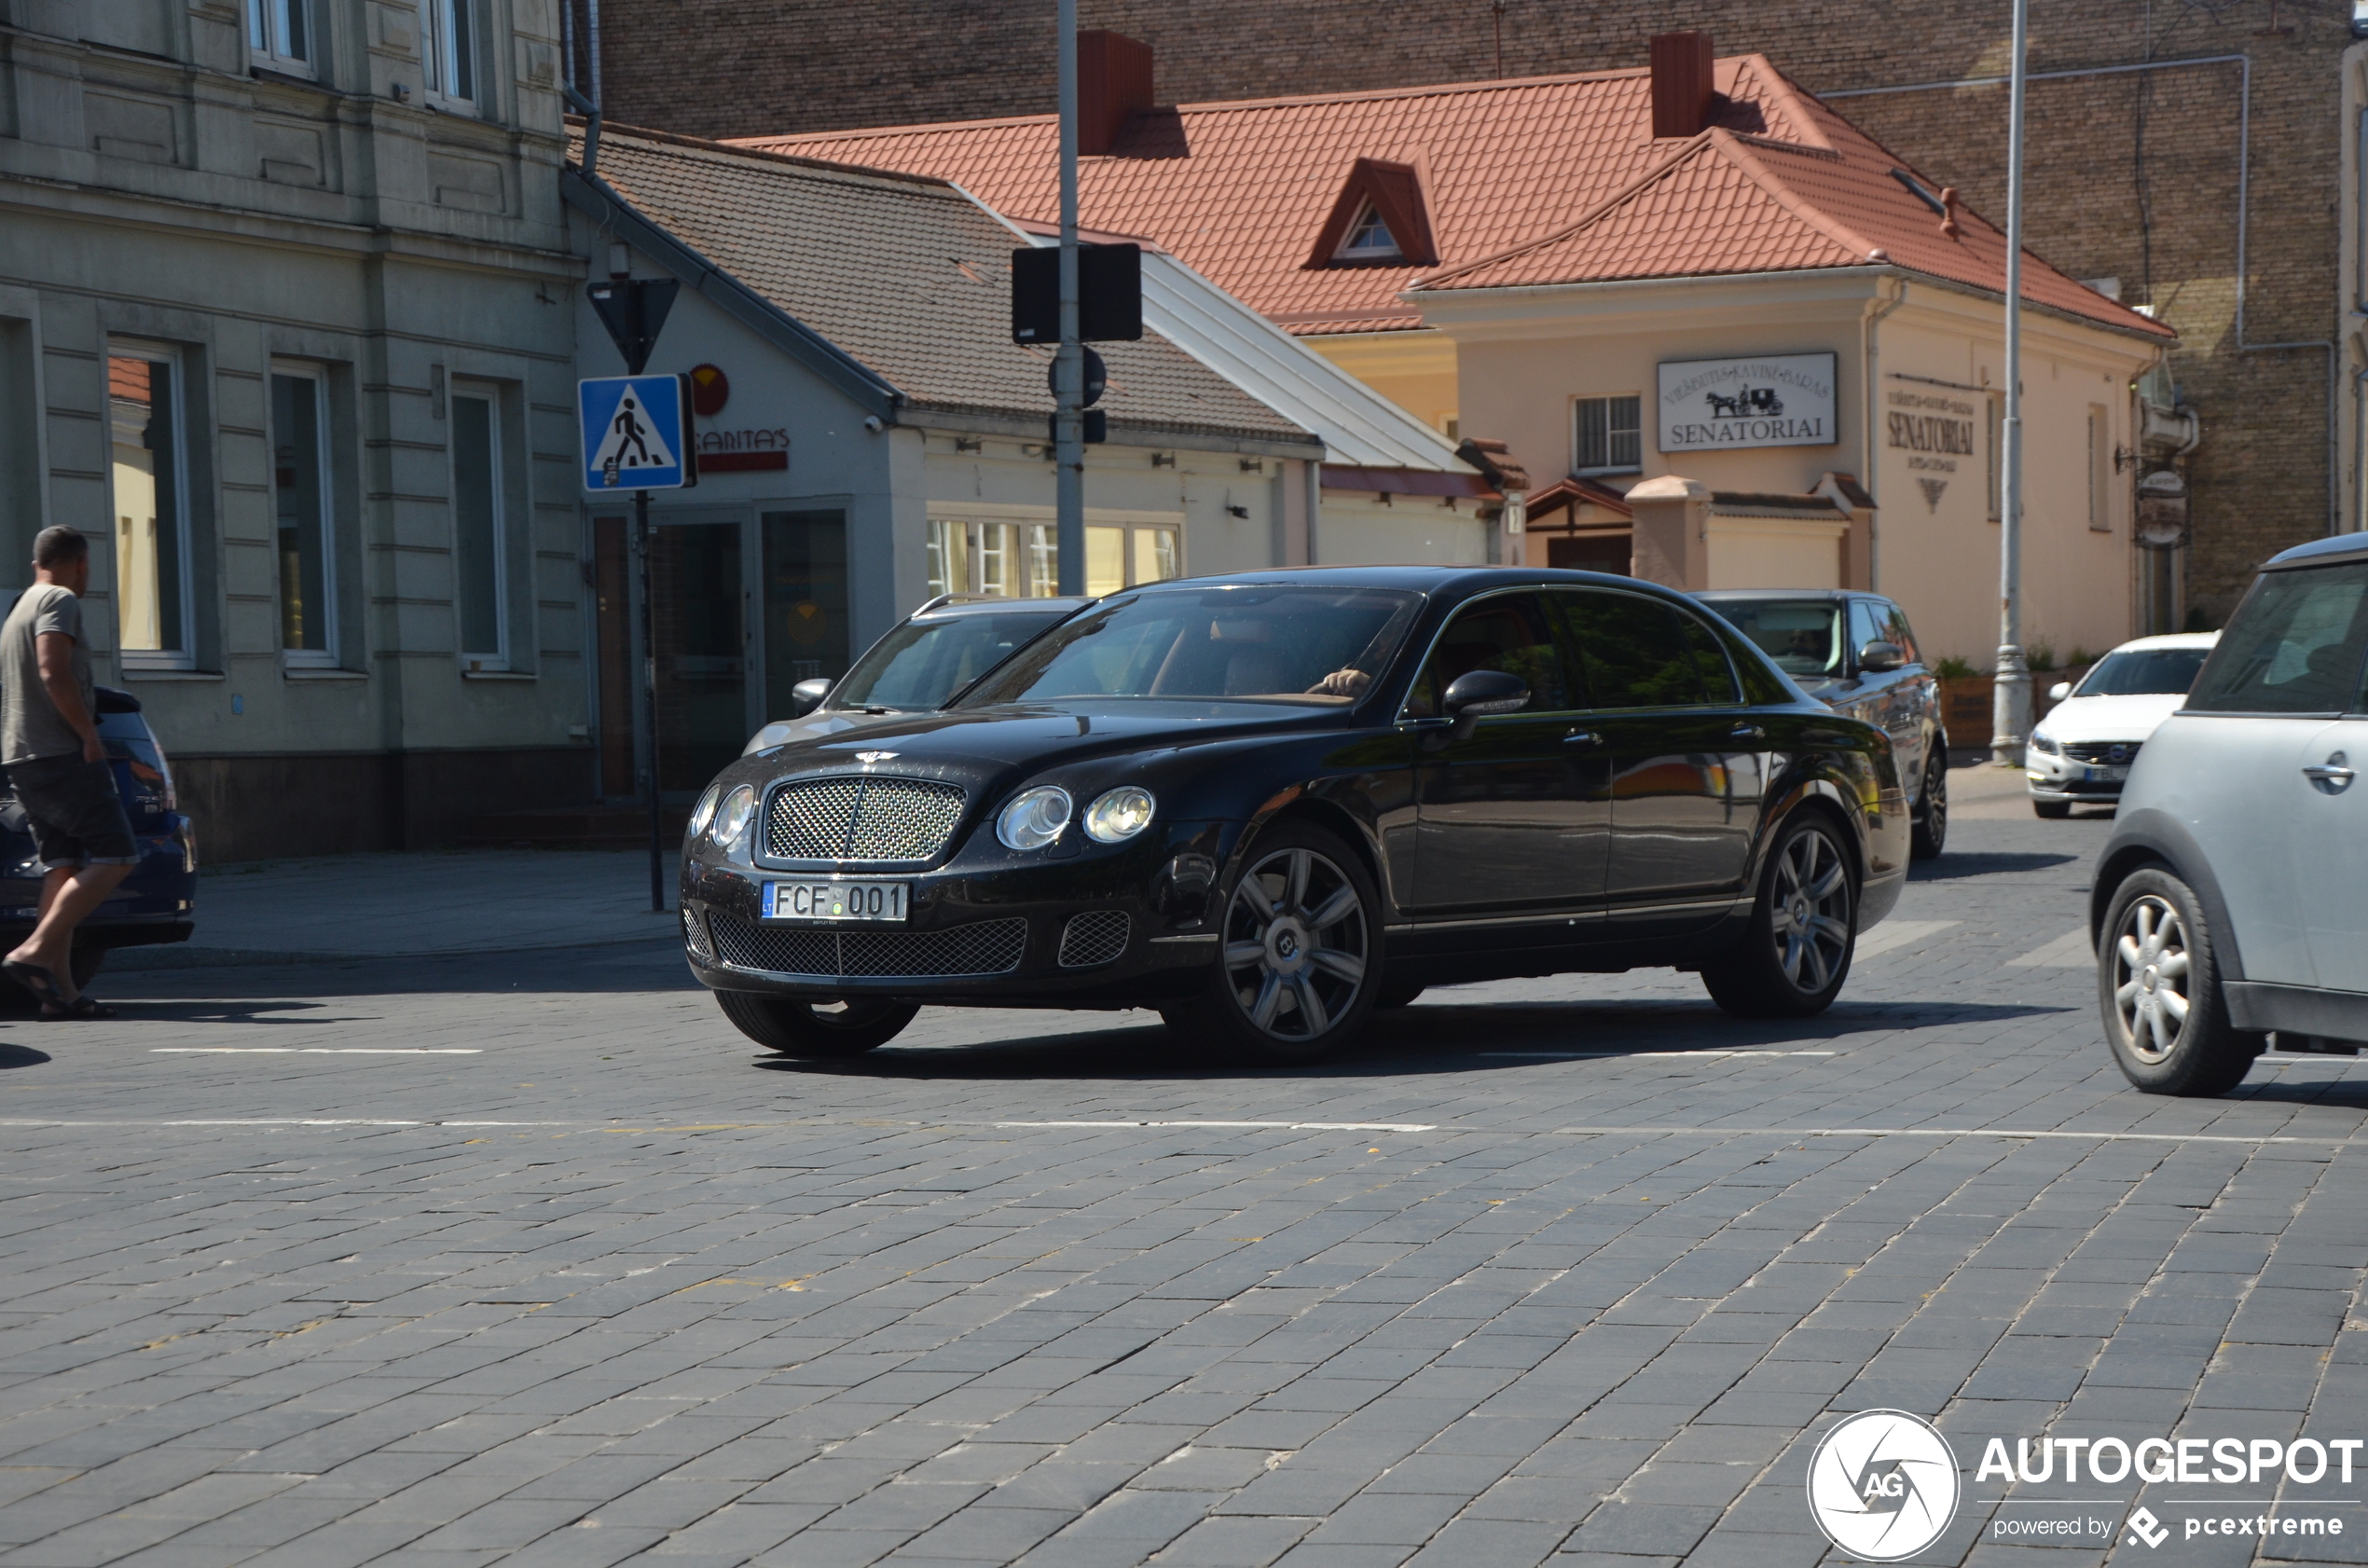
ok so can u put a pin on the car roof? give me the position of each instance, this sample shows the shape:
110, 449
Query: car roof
2319, 551
1829, 596
996, 606
1447, 580
2170, 639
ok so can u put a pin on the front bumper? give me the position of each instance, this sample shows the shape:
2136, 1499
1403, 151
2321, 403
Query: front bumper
2057, 777
991, 927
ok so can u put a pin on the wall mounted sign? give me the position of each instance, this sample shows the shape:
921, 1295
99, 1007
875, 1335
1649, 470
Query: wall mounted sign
743, 451
1770, 400
1933, 427
710, 390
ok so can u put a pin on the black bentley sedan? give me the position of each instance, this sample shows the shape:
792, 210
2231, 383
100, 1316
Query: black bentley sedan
1267, 804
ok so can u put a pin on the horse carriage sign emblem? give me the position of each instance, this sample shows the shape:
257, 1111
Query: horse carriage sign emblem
1771, 400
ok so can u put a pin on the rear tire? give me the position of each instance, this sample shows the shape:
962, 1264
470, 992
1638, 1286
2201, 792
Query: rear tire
2055, 811
1299, 960
795, 1027
1928, 833
1795, 952
2158, 990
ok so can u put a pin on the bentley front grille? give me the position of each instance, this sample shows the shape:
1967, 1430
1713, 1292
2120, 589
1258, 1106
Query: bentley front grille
1096, 937
982, 947
860, 818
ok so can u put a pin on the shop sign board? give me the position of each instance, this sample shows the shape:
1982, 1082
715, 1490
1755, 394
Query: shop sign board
1765, 400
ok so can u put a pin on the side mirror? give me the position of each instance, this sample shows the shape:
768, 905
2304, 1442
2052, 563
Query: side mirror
1478, 694
2059, 691
807, 695
1880, 658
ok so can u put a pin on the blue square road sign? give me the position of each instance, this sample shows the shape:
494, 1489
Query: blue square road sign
637, 433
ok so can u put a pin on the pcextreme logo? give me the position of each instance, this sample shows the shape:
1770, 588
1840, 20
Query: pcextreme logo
1882, 1485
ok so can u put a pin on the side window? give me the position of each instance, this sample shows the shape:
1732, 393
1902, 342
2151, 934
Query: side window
1635, 650
1895, 629
2294, 646
1862, 626
1710, 659
1508, 632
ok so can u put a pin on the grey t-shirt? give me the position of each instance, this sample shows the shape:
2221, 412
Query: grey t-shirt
30, 723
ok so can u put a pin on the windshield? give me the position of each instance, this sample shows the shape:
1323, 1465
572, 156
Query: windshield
923, 662
1804, 638
1286, 643
2151, 671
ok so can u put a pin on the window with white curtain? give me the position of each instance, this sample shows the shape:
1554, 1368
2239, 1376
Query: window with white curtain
1022, 560
149, 477
449, 50
280, 34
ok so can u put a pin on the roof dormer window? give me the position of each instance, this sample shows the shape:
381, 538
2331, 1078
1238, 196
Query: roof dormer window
1369, 238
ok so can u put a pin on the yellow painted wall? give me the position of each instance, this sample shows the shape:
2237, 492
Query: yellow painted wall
1416, 370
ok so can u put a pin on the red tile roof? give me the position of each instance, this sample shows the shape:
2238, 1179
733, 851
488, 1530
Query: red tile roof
1550, 179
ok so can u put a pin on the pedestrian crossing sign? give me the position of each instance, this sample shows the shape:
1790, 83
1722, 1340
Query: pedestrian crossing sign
637, 433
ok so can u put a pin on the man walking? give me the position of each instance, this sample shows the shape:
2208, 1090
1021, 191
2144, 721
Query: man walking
49, 744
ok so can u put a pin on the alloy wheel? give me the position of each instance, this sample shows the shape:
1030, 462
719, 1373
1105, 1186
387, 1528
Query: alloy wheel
2151, 963
1937, 801
1297, 948
1809, 918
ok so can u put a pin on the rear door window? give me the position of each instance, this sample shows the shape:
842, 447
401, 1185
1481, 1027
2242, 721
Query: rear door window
1636, 652
1864, 627
2294, 646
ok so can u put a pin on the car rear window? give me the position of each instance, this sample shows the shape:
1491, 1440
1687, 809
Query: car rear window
1803, 636
2294, 646
1254, 642
2145, 672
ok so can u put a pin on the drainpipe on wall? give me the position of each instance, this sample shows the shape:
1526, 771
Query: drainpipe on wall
592, 45
1875, 314
1315, 503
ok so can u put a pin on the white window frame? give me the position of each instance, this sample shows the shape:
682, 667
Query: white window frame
324, 657
1351, 250
1610, 435
482, 660
271, 26
448, 39
185, 657
1033, 545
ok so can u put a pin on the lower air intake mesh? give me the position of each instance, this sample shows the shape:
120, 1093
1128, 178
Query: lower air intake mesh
695, 936
1096, 937
982, 947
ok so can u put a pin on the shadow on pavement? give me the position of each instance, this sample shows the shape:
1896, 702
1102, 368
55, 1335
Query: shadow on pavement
1436, 1037
20, 1056
1993, 862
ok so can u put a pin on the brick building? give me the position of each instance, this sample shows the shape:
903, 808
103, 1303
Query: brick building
2139, 115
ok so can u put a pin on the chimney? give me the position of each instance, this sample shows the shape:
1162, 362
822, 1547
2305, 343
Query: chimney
1113, 83
1682, 92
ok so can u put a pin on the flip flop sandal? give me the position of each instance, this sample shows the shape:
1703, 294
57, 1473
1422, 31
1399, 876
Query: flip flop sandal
35, 979
81, 1007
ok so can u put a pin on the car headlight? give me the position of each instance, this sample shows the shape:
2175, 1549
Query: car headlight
732, 815
704, 813
2041, 741
1035, 817
1120, 814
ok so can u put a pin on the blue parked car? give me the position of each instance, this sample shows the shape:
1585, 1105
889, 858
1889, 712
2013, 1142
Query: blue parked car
157, 902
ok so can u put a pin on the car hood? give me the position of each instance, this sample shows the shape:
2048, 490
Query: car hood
814, 726
984, 743
2131, 718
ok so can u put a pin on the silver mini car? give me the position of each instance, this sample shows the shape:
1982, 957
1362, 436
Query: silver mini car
2231, 900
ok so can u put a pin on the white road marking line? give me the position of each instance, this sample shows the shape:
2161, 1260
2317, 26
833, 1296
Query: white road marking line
2069, 951
1899, 933
1628, 1055
1952, 1133
316, 1050
1285, 1126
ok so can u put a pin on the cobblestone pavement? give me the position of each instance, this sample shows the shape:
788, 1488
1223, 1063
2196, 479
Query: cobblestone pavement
530, 1258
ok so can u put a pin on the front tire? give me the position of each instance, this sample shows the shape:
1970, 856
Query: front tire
1298, 965
1929, 834
2158, 988
795, 1027
1804, 926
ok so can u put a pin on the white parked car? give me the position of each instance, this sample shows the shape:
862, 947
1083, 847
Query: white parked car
2081, 752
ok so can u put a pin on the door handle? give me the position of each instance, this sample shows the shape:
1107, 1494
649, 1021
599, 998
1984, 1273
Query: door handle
1747, 732
2330, 776
1582, 737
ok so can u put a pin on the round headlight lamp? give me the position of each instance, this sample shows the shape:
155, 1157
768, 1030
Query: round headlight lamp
732, 817
1117, 815
704, 813
1035, 817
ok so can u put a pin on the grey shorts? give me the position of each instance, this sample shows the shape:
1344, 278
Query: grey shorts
74, 811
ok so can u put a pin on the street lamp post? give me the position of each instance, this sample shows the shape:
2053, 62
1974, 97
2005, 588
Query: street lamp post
2010, 708
1069, 365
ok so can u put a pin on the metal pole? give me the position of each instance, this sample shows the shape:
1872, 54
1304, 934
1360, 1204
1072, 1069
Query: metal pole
649, 700
1069, 368
2010, 710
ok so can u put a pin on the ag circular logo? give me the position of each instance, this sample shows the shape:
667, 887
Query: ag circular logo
1882, 1485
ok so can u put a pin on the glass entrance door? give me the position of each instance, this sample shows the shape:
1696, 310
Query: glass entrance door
698, 610
805, 624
